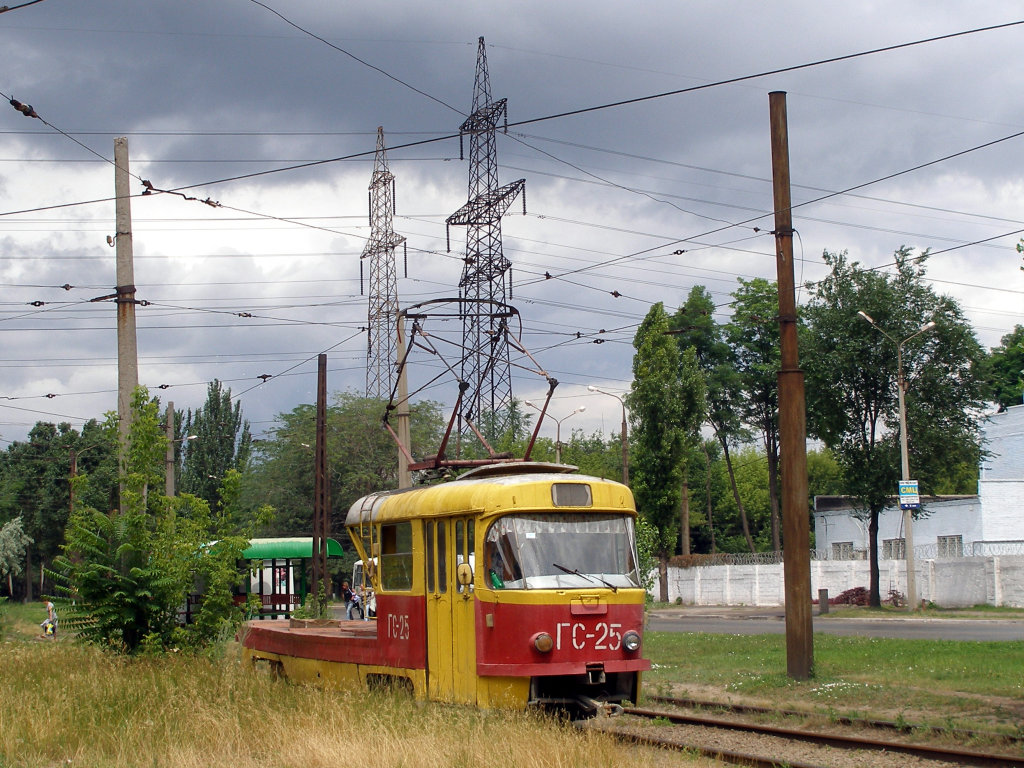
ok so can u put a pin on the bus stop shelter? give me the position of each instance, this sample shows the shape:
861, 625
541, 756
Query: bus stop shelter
280, 577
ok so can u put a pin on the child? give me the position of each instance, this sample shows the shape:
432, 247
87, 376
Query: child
49, 626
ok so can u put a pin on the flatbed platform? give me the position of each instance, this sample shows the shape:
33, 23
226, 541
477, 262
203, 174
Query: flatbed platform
332, 641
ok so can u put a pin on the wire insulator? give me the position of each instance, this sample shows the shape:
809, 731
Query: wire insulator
25, 109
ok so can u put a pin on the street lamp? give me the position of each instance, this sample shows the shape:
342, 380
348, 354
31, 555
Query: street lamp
558, 427
623, 435
901, 387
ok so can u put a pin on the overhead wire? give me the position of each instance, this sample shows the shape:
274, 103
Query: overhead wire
672, 93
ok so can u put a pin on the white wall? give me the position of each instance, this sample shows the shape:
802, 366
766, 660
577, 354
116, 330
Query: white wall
1001, 502
960, 516
949, 583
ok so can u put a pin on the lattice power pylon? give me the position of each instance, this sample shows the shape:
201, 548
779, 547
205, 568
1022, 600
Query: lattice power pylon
381, 344
486, 282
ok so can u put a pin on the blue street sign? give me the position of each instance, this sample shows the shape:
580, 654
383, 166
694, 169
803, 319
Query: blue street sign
910, 498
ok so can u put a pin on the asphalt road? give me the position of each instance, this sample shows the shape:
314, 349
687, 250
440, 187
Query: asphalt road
727, 621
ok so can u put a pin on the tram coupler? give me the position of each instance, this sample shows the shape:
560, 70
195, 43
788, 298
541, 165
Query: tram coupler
599, 708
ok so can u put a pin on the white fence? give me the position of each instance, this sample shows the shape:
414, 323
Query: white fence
952, 582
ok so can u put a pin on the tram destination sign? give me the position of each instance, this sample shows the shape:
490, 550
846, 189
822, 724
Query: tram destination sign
910, 498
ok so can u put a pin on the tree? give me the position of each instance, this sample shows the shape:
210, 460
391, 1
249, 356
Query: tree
750, 471
13, 542
222, 442
694, 325
361, 456
124, 575
1004, 370
753, 334
594, 454
34, 485
851, 380
666, 404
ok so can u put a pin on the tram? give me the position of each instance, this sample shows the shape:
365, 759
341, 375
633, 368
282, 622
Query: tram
515, 586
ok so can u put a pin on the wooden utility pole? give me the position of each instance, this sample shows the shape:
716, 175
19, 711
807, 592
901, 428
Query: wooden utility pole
169, 456
321, 488
127, 347
402, 408
792, 416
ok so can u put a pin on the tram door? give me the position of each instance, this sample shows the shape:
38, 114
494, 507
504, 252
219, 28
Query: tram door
451, 650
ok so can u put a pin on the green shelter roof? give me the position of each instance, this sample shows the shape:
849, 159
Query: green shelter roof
283, 549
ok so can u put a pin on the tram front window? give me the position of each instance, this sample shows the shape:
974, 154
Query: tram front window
561, 551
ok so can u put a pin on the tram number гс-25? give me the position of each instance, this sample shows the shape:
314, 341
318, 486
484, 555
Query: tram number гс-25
398, 626
605, 637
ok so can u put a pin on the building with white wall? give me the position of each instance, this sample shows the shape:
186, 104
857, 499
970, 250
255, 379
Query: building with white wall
988, 523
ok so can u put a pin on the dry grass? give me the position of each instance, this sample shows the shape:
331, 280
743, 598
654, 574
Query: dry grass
63, 704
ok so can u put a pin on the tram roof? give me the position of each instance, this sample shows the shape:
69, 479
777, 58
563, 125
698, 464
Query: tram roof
490, 493
293, 548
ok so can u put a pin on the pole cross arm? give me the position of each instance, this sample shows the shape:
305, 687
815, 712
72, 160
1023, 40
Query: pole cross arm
488, 207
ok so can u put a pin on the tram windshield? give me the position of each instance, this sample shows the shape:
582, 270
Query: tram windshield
561, 551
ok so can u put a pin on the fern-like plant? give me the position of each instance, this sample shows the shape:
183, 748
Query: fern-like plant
126, 575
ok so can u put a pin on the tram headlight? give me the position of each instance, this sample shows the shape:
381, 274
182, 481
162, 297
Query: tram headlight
631, 641
542, 642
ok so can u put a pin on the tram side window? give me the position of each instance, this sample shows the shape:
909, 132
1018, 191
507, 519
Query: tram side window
396, 557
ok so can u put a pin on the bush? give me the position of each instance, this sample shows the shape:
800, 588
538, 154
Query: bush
855, 596
125, 575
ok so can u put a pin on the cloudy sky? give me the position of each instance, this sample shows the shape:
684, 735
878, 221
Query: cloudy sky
271, 110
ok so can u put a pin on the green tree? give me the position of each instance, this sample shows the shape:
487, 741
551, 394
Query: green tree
753, 334
852, 380
13, 541
34, 485
1004, 370
694, 326
361, 456
750, 469
124, 575
665, 404
594, 454
222, 442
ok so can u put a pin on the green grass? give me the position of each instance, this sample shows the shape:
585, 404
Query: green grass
65, 704
59, 700
923, 681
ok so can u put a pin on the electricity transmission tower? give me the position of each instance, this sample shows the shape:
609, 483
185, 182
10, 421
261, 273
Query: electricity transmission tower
485, 285
383, 304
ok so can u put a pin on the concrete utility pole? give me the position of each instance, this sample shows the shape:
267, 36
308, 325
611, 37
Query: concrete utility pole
127, 347
321, 491
402, 410
792, 416
169, 456
908, 510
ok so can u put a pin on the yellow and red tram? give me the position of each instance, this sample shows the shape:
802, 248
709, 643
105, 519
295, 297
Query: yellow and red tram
516, 585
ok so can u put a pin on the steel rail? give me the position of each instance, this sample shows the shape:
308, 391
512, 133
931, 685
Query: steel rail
889, 725
955, 756
723, 755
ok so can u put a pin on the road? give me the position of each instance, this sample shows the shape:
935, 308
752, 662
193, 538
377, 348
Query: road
740, 621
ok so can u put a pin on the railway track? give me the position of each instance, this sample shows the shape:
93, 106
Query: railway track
960, 734
744, 742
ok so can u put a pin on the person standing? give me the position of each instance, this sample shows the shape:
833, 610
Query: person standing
346, 596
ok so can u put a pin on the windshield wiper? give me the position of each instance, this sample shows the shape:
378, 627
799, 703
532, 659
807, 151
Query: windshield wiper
576, 572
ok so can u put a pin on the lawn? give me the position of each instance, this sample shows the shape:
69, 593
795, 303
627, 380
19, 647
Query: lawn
62, 702
937, 682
